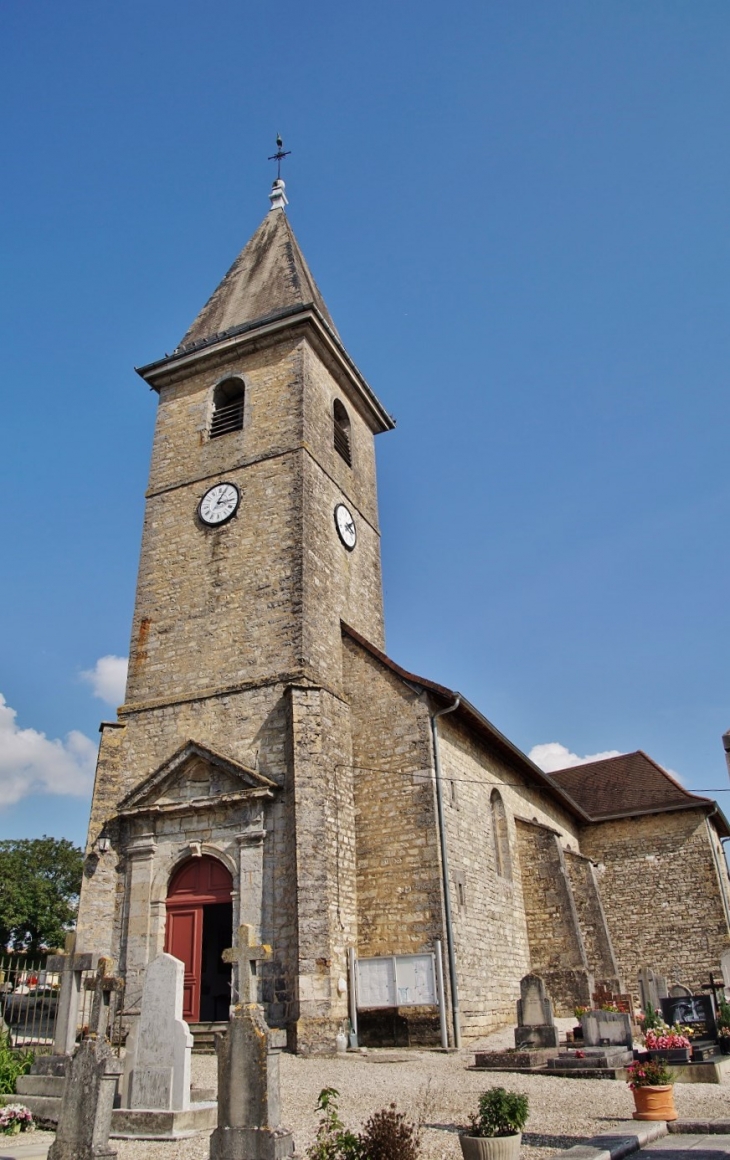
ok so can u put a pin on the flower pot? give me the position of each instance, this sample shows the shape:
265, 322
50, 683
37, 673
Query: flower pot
578, 1032
490, 1147
655, 1103
724, 1042
671, 1054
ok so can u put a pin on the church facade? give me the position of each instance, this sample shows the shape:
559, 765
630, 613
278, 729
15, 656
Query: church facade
271, 765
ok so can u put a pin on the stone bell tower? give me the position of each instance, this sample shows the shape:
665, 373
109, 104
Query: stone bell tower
224, 789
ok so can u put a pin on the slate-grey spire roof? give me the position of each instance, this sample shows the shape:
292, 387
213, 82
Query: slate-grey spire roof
268, 275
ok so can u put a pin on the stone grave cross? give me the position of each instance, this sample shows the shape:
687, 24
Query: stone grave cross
717, 989
104, 985
70, 966
245, 955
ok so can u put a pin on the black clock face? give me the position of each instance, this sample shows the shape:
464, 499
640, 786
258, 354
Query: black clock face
345, 525
219, 504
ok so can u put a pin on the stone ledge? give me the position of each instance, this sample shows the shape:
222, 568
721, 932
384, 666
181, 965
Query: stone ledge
137, 1124
700, 1127
615, 1147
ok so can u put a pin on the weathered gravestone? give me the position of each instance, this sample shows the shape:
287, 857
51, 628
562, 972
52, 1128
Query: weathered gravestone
606, 1029
695, 1011
249, 1103
158, 1060
91, 1080
535, 1022
652, 988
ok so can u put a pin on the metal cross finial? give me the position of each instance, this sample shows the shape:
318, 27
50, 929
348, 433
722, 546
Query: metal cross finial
245, 955
280, 154
104, 985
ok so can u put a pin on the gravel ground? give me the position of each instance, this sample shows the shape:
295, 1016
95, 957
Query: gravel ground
440, 1091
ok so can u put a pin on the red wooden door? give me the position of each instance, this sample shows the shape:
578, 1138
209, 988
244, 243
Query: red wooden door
199, 882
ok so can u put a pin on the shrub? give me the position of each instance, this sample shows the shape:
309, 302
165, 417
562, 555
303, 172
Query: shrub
12, 1064
501, 1113
652, 1073
334, 1141
388, 1135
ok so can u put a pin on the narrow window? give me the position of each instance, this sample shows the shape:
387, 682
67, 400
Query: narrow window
500, 835
342, 431
227, 408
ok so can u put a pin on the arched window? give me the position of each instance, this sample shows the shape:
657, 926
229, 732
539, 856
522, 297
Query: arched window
501, 836
342, 431
227, 408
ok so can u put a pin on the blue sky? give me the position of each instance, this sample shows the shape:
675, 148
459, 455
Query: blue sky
517, 213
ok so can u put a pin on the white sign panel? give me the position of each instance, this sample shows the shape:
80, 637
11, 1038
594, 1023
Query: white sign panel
397, 981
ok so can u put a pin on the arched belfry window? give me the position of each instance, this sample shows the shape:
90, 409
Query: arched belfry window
500, 834
342, 431
227, 408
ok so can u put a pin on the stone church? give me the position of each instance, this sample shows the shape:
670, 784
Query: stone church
272, 765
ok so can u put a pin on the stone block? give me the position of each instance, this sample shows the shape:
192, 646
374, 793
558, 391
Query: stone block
536, 1037
606, 1028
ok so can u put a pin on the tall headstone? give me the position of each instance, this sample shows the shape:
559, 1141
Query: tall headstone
535, 1022
91, 1082
249, 1103
158, 1060
652, 988
606, 1029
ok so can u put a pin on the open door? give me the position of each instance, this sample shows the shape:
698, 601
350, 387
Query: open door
199, 928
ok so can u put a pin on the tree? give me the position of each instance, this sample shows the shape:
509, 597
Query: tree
40, 880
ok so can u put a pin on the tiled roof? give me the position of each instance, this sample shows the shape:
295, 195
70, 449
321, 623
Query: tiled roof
630, 784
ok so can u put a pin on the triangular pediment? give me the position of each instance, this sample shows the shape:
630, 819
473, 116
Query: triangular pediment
194, 774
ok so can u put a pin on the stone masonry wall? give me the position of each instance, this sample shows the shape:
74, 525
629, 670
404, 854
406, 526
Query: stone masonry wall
490, 928
557, 951
661, 893
592, 919
398, 867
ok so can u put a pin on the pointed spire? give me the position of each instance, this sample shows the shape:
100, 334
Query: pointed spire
269, 275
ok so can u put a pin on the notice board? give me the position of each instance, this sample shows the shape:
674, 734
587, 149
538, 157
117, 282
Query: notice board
397, 981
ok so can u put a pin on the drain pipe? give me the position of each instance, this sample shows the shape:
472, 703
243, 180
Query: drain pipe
445, 869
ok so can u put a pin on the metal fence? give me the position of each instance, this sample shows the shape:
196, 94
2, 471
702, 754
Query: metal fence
29, 998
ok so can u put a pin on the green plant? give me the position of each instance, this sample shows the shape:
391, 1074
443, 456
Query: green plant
651, 1020
723, 1013
388, 1135
12, 1064
579, 1012
649, 1073
334, 1141
501, 1113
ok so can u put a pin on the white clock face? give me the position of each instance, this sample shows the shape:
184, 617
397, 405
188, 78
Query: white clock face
345, 525
219, 503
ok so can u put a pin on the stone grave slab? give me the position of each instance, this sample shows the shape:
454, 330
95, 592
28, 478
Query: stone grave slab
607, 1029
159, 1062
652, 988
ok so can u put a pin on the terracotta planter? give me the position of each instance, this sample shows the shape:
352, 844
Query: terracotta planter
655, 1103
490, 1147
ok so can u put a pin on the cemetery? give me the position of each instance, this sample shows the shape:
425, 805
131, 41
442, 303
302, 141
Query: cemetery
104, 1091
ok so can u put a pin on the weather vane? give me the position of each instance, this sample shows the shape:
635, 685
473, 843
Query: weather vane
279, 155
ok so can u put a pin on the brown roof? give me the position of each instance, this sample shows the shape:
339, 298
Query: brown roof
269, 275
624, 786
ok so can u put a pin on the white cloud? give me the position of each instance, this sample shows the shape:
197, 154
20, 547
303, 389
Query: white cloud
108, 679
31, 763
553, 755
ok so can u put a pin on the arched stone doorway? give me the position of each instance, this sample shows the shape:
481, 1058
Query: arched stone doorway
199, 928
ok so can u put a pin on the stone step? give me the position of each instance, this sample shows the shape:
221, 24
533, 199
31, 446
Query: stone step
40, 1085
204, 1036
133, 1124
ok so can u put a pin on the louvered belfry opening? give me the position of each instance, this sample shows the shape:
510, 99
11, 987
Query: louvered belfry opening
342, 431
227, 408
